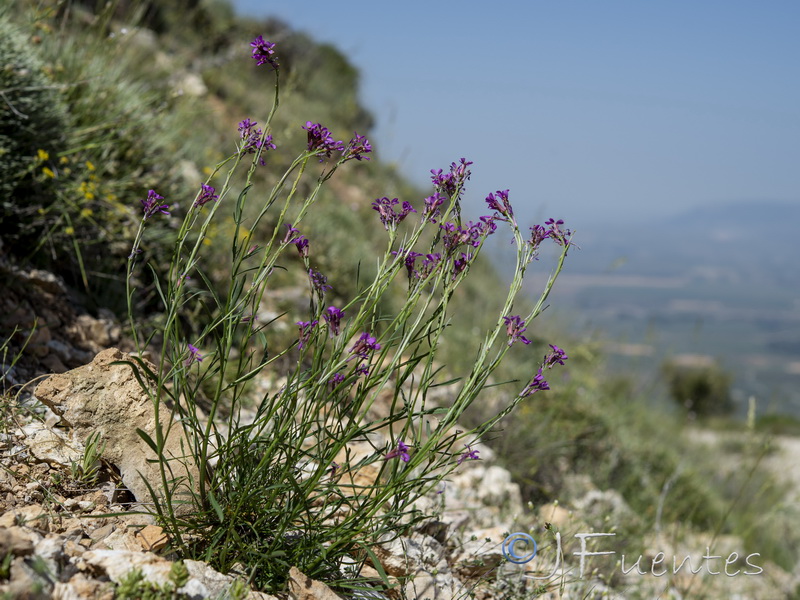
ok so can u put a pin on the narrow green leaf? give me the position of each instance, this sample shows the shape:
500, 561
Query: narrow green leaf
215, 505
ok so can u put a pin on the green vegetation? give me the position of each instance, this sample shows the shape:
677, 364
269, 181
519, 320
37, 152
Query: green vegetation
134, 586
700, 390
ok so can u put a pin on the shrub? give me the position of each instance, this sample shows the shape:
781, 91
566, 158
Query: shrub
268, 492
702, 390
70, 176
33, 126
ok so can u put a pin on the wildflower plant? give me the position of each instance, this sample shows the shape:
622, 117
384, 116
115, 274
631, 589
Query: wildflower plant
279, 488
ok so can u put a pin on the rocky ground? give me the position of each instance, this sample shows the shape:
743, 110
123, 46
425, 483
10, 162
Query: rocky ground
73, 530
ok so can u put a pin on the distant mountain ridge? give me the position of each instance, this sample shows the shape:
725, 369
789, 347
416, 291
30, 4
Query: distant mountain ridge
755, 238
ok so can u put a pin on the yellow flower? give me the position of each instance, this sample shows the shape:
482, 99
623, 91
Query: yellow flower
87, 212
43, 155
48, 172
69, 230
63, 160
89, 165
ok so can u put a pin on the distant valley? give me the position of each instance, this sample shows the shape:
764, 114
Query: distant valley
719, 283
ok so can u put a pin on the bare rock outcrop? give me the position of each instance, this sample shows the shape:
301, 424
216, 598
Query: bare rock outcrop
107, 399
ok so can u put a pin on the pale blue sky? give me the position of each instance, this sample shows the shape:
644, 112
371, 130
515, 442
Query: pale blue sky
588, 111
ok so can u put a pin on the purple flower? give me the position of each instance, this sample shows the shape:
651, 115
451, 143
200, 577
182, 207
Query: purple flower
486, 226
364, 345
320, 140
385, 208
429, 264
357, 148
558, 235
252, 141
515, 327
557, 355
333, 317
305, 331
267, 143
302, 245
460, 264
409, 260
452, 182
432, 204
263, 52
290, 234
470, 454
334, 466
473, 234
250, 134
152, 205
362, 369
318, 281
401, 451
500, 204
206, 195
194, 356
538, 384
538, 234
335, 380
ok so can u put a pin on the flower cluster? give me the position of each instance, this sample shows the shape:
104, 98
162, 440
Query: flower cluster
538, 384
432, 204
263, 52
318, 281
461, 263
470, 454
194, 356
389, 217
335, 380
473, 234
429, 264
538, 234
152, 205
555, 233
300, 241
515, 327
554, 357
401, 451
333, 317
206, 195
252, 139
409, 260
551, 229
452, 183
364, 345
357, 148
501, 204
320, 140
306, 327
